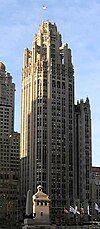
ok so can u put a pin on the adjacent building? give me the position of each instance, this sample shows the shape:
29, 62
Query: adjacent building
96, 192
83, 152
9, 148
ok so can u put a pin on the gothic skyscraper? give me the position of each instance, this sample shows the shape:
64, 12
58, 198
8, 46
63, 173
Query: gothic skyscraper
47, 117
48, 120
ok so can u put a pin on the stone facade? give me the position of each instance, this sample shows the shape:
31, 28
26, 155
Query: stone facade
50, 145
47, 120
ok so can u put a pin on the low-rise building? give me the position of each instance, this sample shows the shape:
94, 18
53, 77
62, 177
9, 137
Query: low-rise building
95, 191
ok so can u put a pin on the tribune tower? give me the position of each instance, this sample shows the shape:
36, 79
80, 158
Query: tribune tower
47, 117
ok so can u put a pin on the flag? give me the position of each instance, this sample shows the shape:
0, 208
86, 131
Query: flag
88, 210
97, 207
65, 210
77, 210
44, 7
71, 209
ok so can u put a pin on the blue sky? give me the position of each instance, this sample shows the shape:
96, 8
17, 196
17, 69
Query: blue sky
79, 23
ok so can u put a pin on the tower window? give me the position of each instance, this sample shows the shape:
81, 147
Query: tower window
41, 213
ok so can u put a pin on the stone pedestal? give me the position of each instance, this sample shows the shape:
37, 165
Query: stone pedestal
28, 223
31, 224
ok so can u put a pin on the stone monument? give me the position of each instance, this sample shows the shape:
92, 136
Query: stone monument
28, 221
37, 210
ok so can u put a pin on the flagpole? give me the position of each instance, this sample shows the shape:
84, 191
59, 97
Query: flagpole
44, 12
